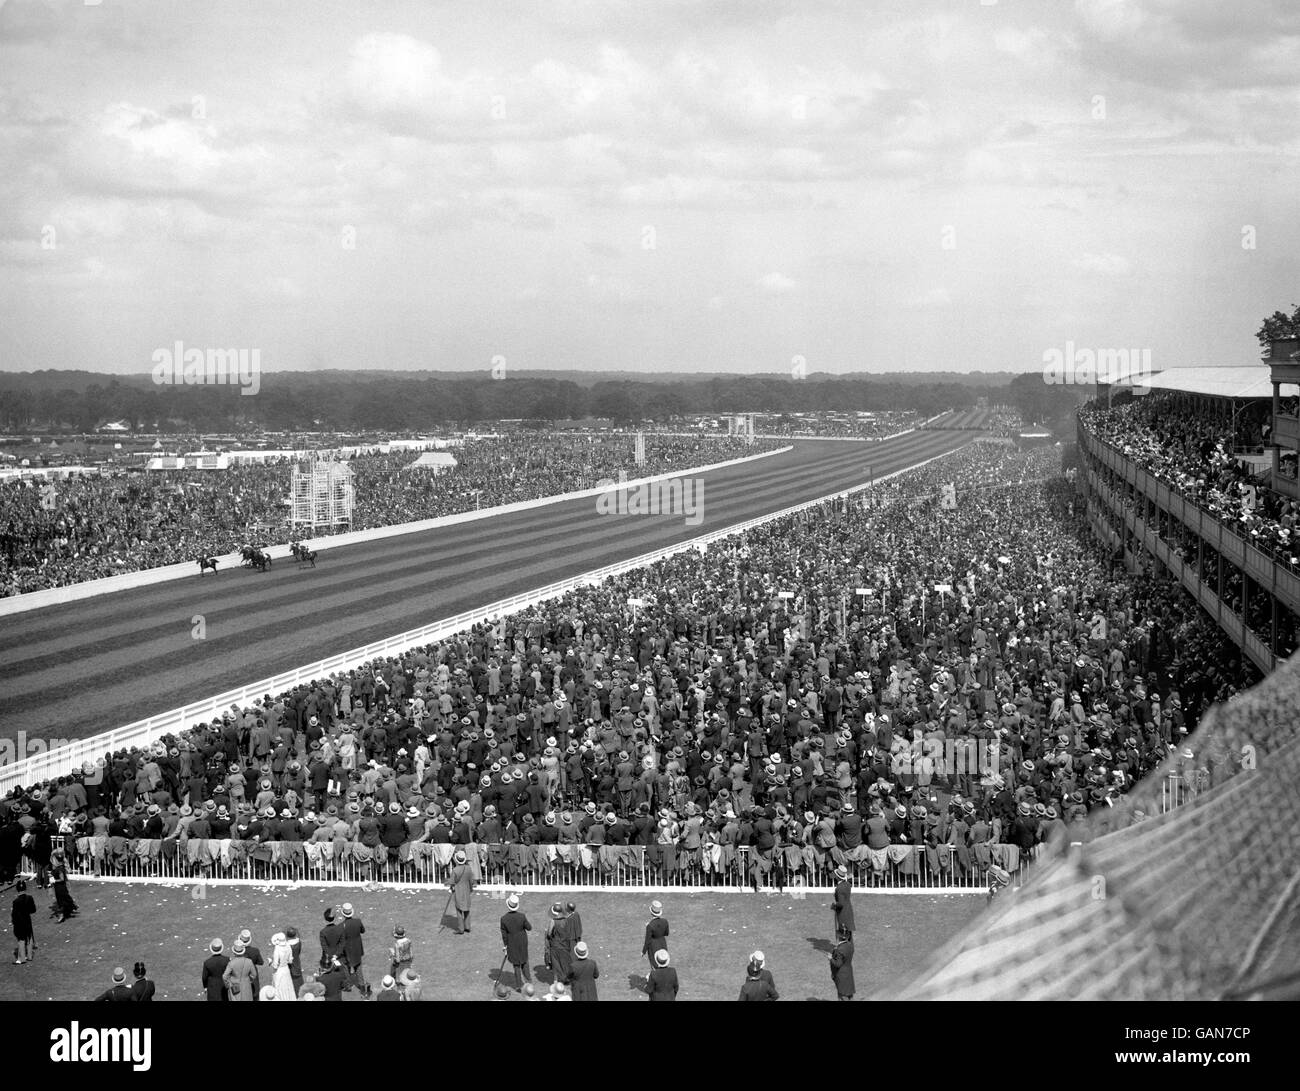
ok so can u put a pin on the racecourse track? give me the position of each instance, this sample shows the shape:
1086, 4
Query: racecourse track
80, 668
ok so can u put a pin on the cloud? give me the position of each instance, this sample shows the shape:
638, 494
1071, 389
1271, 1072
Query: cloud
394, 73
776, 283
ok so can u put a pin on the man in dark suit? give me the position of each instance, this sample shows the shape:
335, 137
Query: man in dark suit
353, 949
515, 927
575, 922
333, 977
331, 938
213, 969
255, 957
662, 984
841, 961
582, 974
24, 908
118, 991
842, 905
656, 932
755, 986
559, 945
142, 988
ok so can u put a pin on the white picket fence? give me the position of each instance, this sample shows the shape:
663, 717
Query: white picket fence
64, 759
636, 869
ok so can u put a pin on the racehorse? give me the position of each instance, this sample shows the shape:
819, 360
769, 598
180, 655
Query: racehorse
302, 553
255, 558
205, 563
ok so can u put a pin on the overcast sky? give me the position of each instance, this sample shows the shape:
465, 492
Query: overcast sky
665, 185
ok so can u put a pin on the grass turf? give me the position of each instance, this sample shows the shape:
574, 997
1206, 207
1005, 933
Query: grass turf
169, 927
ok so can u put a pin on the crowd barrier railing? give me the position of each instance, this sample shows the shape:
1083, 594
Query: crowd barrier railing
631, 866
63, 760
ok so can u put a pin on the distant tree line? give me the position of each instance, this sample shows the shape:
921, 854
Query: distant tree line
283, 404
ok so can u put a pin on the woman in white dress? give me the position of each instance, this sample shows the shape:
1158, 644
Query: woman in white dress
281, 961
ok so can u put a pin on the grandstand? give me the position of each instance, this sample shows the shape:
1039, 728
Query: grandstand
1199, 900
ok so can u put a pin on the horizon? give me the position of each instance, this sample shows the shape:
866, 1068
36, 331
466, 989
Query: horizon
604, 186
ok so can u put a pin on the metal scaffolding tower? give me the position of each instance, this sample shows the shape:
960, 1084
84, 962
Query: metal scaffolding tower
322, 495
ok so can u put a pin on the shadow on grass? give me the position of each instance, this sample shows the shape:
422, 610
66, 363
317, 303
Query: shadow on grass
822, 945
637, 982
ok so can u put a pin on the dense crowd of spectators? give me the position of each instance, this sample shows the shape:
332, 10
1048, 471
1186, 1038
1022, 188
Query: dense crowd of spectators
106, 524
878, 425
1001, 680
1004, 421
1193, 452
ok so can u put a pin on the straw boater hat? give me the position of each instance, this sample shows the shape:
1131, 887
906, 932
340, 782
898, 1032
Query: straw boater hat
580, 950
661, 957
656, 909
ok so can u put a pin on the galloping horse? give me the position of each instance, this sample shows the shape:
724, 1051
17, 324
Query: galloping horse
302, 553
205, 563
255, 558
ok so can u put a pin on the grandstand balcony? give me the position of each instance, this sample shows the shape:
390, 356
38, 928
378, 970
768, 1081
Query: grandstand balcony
1133, 527
1283, 359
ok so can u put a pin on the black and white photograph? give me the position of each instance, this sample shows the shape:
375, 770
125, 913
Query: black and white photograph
624, 500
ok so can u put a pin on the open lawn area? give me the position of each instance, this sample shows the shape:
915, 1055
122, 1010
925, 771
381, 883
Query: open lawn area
711, 937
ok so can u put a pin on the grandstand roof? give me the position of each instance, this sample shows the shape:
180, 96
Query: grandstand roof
1247, 381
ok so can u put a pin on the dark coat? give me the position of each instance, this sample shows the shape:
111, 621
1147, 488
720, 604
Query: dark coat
842, 967
331, 942
118, 993
353, 949
333, 979
663, 983
23, 909
758, 988
582, 977
843, 906
213, 967
559, 949
656, 937
515, 927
